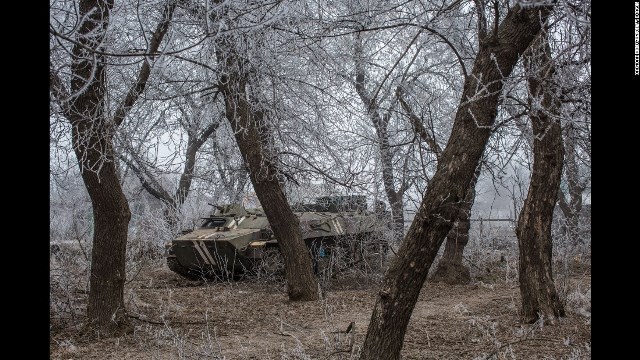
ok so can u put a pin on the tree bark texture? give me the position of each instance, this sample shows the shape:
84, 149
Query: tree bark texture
450, 268
537, 289
444, 197
254, 140
92, 135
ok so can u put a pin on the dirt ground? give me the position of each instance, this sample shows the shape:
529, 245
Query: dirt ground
180, 319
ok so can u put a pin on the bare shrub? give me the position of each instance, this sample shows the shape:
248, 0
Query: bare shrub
492, 252
70, 231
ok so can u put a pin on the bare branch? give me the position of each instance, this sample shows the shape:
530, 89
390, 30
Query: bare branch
148, 182
417, 124
136, 90
453, 48
482, 20
59, 90
404, 53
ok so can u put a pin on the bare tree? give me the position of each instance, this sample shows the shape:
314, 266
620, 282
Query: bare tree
393, 162
380, 123
450, 268
571, 203
83, 103
238, 83
570, 42
196, 138
537, 289
576, 134
224, 170
499, 52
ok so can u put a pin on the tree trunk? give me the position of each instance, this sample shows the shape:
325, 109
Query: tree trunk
539, 296
573, 208
92, 136
440, 207
381, 123
450, 268
254, 142
174, 204
397, 213
105, 307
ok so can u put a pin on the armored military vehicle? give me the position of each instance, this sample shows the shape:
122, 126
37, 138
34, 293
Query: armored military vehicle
235, 241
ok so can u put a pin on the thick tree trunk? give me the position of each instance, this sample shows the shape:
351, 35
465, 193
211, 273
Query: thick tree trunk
450, 268
105, 307
537, 289
92, 138
440, 207
253, 140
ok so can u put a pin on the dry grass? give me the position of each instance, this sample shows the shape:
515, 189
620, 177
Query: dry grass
176, 318
181, 319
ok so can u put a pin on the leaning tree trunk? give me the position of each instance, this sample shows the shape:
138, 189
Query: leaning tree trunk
254, 141
450, 268
537, 289
440, 207
92, 136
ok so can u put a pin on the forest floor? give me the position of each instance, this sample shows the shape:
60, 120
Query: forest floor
180, 319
